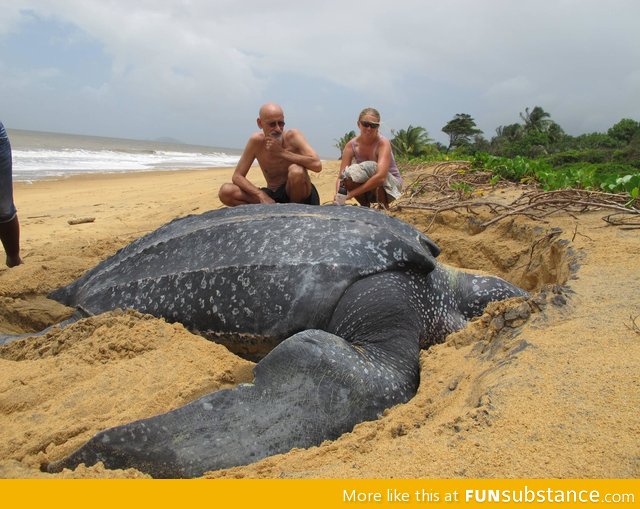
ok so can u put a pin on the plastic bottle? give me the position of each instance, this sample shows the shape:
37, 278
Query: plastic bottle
341, 197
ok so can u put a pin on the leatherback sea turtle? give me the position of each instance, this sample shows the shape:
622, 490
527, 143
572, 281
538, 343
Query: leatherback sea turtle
347, 296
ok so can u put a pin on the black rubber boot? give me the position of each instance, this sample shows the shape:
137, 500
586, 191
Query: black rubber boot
10, 237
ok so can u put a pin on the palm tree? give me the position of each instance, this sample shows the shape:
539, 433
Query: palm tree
510, 132
536, 119
555, 132
341, 143
412, 142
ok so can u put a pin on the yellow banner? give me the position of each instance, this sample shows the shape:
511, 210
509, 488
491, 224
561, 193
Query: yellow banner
302, 493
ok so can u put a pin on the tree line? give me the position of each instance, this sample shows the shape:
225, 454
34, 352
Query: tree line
536, 148
535, 136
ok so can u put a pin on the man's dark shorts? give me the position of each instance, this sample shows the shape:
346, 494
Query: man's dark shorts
280, 195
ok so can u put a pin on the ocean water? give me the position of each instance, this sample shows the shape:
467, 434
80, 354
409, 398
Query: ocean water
38, 155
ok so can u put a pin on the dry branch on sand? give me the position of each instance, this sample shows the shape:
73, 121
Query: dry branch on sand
452, 186
633, 327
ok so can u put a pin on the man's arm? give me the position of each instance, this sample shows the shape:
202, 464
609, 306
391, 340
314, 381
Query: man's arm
300, 152
239, 177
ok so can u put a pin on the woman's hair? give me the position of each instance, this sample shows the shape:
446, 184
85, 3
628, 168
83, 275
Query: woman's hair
369, 111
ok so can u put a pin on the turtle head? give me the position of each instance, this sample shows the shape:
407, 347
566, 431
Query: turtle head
476, 291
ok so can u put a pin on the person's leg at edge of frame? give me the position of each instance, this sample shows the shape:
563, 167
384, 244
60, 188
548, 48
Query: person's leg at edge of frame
10, 237
9, 228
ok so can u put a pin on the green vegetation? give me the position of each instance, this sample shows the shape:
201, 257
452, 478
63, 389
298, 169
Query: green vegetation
340, 143
412, 142
607, 177
536, 149
460, 131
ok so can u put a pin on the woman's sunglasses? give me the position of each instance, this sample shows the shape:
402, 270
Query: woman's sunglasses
370, 125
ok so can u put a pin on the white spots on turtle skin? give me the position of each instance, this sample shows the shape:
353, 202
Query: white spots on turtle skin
244, 281
433, 297
243, 244
243, 272
399, 255
366, 369
474, 292
276, 283
258, 272
378, 251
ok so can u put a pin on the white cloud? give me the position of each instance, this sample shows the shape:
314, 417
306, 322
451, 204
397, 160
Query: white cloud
207, 65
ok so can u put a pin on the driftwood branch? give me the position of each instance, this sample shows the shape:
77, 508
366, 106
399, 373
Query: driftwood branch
81, 220
634, 327
454, 186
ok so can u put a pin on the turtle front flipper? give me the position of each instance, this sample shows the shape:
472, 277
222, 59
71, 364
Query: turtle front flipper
314, 386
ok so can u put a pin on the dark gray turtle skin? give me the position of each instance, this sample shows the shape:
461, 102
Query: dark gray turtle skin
250, 277
342, 298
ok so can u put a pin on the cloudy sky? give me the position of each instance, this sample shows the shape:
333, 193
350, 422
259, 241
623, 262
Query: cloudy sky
198, 70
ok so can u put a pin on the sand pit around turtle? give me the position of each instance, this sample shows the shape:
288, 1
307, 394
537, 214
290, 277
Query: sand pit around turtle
543, 387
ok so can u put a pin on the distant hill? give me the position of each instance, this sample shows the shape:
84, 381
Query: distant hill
168, 139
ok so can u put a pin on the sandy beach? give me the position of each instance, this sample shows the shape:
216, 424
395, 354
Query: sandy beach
547, 387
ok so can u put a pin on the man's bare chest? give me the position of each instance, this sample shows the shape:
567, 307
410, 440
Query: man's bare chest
271, 162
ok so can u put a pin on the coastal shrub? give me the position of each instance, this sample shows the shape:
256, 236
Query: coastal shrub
628, 183
517, 169
629, 154
579, 156
609, 177
432, 155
